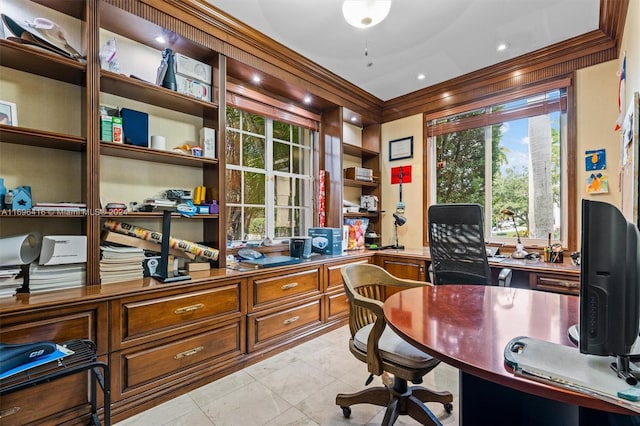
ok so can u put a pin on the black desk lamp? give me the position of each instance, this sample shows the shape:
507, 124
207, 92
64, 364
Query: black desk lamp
399, 221
519, 253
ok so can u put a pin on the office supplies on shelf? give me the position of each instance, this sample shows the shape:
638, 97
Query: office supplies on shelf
148, 235
566, 367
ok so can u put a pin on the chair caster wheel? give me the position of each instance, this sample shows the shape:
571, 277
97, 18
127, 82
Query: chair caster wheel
448, 407
346, 411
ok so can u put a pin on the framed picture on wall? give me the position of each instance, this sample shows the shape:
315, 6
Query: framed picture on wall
8, 113
401, 148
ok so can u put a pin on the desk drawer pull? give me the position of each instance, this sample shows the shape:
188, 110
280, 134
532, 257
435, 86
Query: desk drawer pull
289, 286
189, 352
8, 411
559, 283
290, 320
189, 309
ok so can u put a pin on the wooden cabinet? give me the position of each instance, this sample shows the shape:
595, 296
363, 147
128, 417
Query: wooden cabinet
170, 339
267, 327
269, 290
336, 301
45, 403
404, 267
283, 305
555, 282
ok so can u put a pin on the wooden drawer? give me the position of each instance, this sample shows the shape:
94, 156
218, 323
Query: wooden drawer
49, 403
337, 305
565, 284
267, 327
142, 319
151, 367
334, 277
272, 289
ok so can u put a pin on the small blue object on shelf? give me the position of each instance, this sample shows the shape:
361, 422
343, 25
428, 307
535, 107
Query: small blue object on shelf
21, 198
33, 355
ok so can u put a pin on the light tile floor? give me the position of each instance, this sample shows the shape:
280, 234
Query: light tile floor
296, 387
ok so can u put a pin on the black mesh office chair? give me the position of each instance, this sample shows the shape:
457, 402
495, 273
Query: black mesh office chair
458, 251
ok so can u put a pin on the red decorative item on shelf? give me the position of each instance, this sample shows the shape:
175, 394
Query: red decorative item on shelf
322, 212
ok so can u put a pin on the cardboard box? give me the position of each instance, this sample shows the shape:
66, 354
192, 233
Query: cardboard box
116, 128
191, 68
208, 142
326, 240
359, 173
194, 88
106, 128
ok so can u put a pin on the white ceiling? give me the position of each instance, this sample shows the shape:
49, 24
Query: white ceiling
442, 39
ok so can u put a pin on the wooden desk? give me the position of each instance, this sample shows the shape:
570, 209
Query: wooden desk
468, 327
538, 275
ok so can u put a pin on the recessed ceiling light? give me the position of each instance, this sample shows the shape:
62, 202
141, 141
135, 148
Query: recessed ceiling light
354, 119
161, 39
256, 79
421, 76
307, 99
502, 47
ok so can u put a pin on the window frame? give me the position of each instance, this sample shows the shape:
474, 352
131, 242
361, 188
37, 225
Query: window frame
568, 159
306, 208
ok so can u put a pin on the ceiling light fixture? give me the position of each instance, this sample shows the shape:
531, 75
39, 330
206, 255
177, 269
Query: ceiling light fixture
307, 99
502, 47
256, 79
421, 76
365, 13
161, 39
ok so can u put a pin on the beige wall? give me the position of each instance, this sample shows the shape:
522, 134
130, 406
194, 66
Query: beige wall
597, 91
409, 235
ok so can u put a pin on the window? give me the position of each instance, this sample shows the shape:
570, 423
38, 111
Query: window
505, 156
268, 177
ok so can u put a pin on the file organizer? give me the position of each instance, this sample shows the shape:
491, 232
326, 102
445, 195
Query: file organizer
566, 367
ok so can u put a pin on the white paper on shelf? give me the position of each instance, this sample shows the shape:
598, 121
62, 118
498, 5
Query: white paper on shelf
63, 249
20, 249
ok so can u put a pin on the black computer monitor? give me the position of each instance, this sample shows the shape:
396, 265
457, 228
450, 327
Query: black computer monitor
609, 287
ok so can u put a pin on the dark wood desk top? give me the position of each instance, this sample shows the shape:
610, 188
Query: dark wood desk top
516, 264
468, 327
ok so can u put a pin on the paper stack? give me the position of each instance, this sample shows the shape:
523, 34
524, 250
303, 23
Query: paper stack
9, 281
55, 277
120, 263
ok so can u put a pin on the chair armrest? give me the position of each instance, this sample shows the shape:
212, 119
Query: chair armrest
504, 277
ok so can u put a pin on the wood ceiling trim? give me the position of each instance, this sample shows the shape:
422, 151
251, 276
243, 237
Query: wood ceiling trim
211, 28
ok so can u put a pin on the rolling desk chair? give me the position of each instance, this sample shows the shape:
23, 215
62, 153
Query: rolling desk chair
383, 350
456, 243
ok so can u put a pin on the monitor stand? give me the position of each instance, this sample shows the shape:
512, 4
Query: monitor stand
163, 273
622, 364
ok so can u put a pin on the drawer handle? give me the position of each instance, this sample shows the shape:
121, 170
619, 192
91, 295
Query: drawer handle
291, 320
8, 411
189, 309
289, 286
189, 352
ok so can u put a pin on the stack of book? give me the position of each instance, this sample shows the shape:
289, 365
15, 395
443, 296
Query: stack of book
120, 263
55, 277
